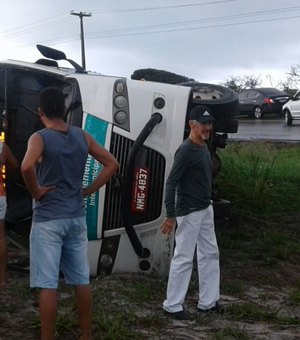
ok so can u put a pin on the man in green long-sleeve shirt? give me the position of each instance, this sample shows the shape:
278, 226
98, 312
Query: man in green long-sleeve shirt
189, 184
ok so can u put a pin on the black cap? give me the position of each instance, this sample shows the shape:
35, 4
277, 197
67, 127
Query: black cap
201, 114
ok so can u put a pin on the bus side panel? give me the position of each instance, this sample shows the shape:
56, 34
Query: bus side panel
100, 130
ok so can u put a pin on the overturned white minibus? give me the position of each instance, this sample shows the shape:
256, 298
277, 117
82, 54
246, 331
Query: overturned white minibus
140, 122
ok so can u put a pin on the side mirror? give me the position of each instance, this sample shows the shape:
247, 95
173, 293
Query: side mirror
51, 53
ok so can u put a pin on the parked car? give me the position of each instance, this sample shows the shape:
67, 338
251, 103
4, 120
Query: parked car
257, 102
291, 110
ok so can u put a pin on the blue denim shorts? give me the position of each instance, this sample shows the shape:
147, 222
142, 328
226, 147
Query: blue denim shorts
59, 245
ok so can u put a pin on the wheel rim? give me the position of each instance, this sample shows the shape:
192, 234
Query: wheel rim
257, 113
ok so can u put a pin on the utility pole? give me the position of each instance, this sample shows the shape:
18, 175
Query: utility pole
81, 15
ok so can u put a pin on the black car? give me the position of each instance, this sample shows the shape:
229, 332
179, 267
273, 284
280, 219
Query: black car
257, 102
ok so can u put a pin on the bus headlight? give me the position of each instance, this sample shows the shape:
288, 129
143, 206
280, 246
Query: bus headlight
120, 105
119, 87
121, 117
120, 102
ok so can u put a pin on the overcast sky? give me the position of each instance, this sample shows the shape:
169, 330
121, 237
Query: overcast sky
208, 40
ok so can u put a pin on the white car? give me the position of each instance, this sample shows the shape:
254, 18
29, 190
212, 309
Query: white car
291, 109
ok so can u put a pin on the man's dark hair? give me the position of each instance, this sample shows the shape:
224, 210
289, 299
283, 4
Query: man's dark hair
52, 102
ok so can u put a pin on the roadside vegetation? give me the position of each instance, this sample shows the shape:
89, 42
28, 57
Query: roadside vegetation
261, 179
260, 267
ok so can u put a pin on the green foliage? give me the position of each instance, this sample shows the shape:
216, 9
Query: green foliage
234, 287
230, 333
288, 321
260, 178
126, 300
161, 76
294, 296
250, 311
274, 245
144, 292
67, 324
114, 326
22, 289
251, 183
265, 244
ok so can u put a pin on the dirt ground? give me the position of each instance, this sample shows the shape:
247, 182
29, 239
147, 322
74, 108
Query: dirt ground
19, 315
255, 300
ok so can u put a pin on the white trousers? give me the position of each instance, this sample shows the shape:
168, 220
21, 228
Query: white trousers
195, 230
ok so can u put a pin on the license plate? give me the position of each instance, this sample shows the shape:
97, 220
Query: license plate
140, 190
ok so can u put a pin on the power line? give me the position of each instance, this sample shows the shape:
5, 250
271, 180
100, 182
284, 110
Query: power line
43, 23
40, 24
188, 22
47, 22
160, 7
194, 28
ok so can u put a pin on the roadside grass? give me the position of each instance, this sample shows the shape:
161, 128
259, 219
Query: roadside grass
129, 300
261, 178
229, 333
22, 289
250, 312
114, 326
235, 287
294, 294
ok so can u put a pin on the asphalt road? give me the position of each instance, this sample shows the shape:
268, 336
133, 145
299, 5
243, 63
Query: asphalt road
266, 129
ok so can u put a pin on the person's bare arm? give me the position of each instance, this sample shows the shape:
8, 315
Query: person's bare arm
28, 167
108, 161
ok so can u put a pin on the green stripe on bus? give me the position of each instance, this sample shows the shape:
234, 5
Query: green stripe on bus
98, 129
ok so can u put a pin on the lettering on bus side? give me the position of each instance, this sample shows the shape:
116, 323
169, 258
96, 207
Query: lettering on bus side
98, 129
